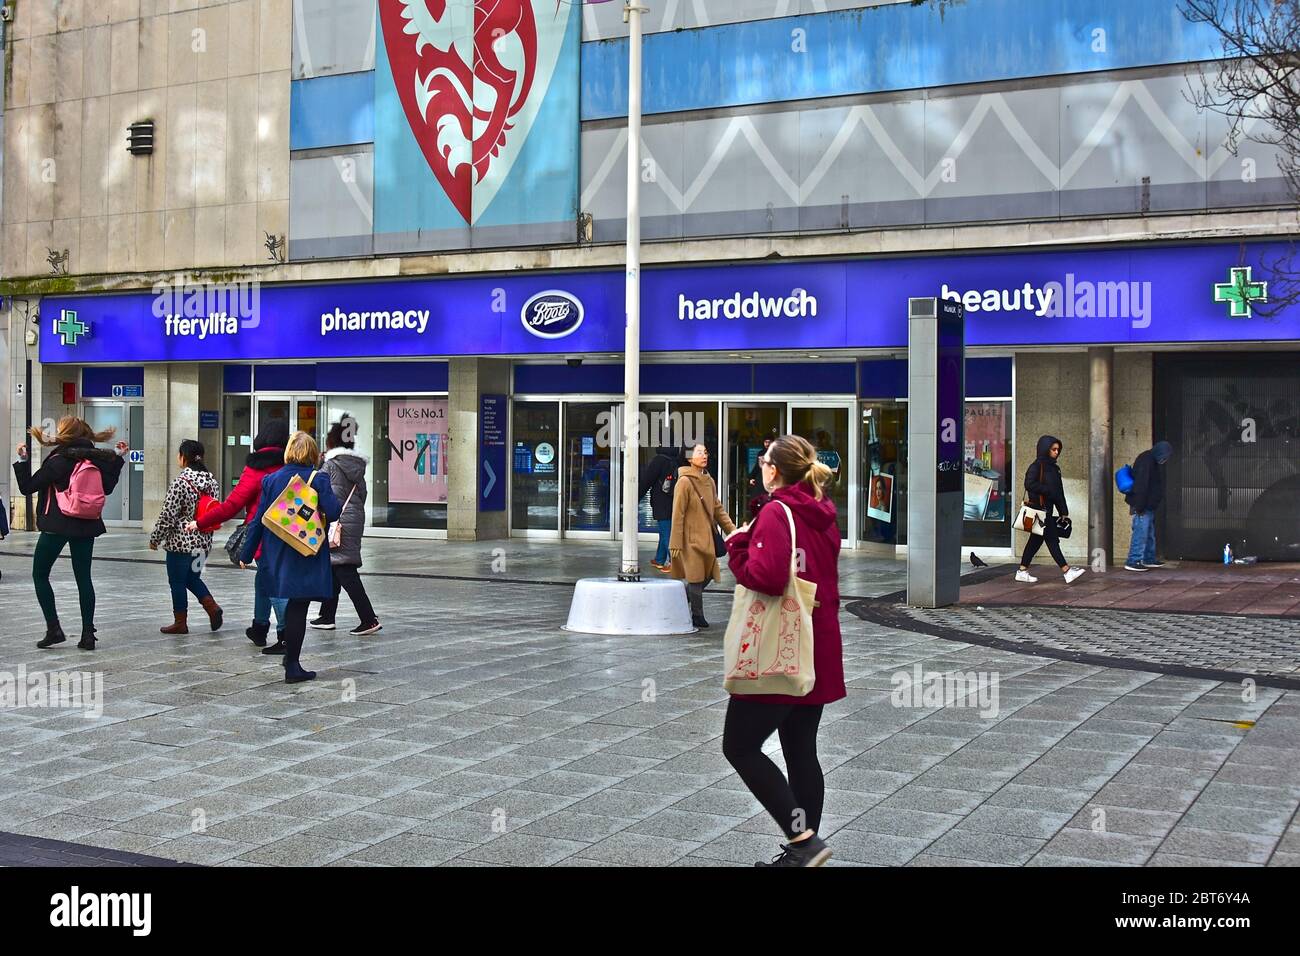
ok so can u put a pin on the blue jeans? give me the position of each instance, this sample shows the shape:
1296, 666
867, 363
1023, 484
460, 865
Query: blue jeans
1143, 548
183, 576
665, 528
263, 602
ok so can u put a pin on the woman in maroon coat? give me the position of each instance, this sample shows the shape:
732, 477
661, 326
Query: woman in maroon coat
760, 560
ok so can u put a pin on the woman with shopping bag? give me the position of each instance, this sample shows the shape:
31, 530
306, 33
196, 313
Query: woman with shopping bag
1045, 514
779, 675
694, 544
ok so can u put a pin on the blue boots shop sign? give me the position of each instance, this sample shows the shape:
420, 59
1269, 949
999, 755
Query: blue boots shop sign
1130, 296
552, 314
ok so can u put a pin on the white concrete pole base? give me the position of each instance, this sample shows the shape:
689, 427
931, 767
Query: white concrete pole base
611, 606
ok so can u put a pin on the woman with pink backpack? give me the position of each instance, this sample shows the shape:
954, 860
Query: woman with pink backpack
71, 484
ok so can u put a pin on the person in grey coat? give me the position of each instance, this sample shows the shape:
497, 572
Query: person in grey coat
346, 468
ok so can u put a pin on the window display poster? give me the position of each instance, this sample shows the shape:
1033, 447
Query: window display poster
417, 450
880, 500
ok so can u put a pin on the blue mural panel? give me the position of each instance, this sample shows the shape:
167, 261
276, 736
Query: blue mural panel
892, 47
476, 115
332, 111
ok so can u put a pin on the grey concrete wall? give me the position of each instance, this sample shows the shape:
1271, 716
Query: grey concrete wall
469, 378
214, 77
171, 414
1052, 399
1132, 431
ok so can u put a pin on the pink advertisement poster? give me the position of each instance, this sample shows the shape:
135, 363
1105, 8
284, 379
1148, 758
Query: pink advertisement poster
417, 451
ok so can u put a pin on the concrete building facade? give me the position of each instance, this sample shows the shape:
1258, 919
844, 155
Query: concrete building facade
290, 158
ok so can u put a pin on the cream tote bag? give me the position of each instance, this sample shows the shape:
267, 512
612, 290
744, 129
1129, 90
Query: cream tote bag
768, 648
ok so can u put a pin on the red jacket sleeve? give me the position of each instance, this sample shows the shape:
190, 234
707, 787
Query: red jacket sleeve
760, 557
250, 483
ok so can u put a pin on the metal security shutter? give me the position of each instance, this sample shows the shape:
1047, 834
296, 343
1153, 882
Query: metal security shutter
1234, 421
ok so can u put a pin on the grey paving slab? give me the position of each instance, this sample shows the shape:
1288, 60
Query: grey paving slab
508, 713
985, 846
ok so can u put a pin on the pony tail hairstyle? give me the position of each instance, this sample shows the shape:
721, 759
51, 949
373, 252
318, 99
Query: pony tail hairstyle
796, 461
821, 476
192, 451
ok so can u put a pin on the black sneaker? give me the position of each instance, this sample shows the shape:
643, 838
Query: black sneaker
699, 622
321, 624
1136, 567
361, 630
1153, 564
810, 852
276, 648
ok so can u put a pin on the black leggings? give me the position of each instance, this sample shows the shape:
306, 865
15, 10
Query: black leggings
1053, 546
295, 628
796, 805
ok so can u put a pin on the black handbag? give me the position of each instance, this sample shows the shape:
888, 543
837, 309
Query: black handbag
719, 544
235, 543
1063, 525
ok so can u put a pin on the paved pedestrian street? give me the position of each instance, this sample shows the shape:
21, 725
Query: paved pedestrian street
473, 731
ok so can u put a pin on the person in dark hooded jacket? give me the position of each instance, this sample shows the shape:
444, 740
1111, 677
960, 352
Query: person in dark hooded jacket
1045, 491
658, 477
760, 557
346, 468
1147, 495
73, 442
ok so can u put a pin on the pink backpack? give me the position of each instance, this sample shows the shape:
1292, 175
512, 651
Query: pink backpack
85, 495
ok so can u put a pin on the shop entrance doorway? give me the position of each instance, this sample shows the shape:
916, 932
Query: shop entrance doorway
748, 426
125, 506
302, 412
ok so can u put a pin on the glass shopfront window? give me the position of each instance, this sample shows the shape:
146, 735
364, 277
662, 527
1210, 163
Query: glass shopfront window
988, 466
828, 430
884, 467
406, 441
535, 467
988, 474
588, 465
238, 441
748, 426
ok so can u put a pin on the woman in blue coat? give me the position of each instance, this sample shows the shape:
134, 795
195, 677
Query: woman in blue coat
297, 578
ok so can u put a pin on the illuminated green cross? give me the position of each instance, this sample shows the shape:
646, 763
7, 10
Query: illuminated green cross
69, 328
1240, 292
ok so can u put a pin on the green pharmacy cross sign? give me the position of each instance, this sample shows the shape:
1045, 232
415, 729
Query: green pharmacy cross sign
69, 328
1239, 292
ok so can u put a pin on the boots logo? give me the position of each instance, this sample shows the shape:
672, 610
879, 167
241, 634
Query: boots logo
471, 78
552, 314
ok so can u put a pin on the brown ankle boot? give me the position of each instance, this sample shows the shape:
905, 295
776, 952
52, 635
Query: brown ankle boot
178, 627
214, 611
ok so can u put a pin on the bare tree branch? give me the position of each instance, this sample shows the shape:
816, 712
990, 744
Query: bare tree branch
1256, 88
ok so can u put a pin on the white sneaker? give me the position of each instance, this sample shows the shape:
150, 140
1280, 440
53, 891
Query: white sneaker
1024, 577
1074, 574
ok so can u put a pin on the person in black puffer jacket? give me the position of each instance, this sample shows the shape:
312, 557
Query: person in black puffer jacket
658, 477
73, 442
1045, 491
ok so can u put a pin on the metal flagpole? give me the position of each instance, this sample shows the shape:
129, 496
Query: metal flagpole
631, 570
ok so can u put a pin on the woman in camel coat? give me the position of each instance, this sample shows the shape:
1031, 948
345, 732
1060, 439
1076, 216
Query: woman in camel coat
696, 510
